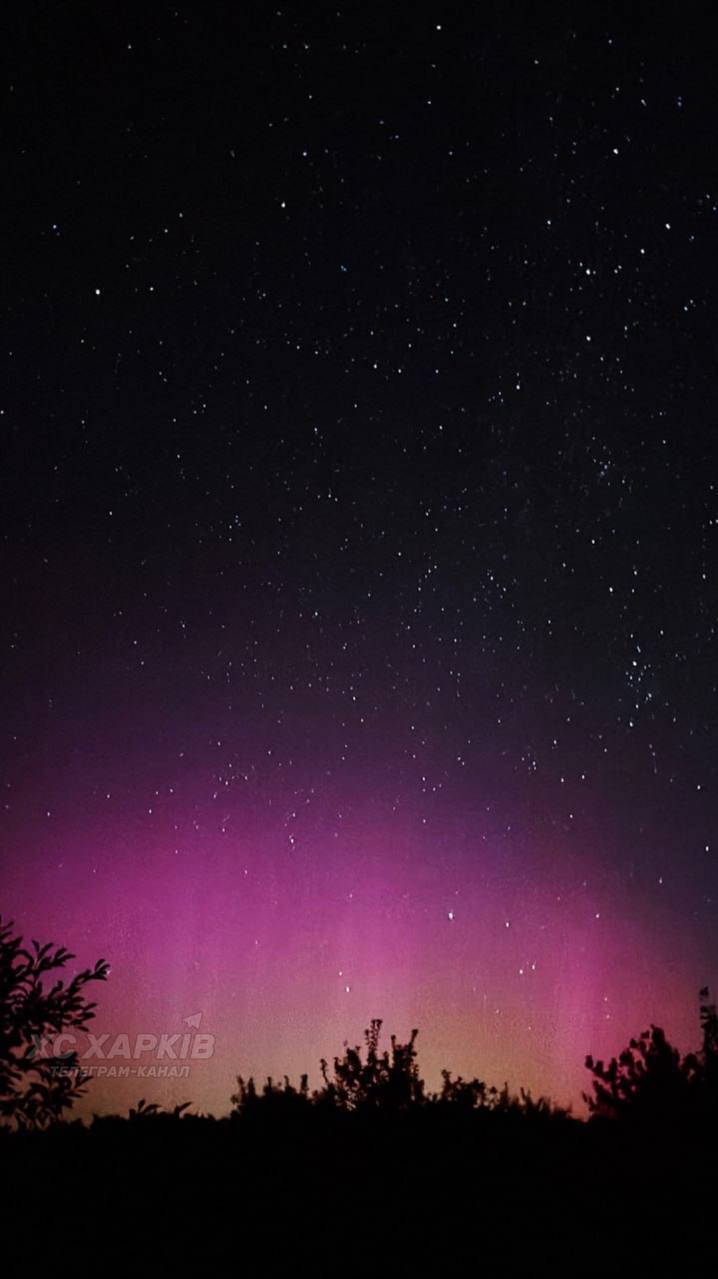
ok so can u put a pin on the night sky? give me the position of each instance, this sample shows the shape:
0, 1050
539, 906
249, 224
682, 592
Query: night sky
359, 523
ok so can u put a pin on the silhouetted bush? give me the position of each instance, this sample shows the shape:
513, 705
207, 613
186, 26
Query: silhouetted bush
275, 1100
151, 1110
382, 1081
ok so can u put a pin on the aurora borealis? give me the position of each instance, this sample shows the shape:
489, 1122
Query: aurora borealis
359, 519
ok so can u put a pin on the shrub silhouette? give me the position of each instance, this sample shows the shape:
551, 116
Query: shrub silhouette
381, 1081
278, 1101
146, 1110
467, 1093
650, 1080
36, 1086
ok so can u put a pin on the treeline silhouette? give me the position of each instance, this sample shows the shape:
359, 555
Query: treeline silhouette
370, 1172
382, 1083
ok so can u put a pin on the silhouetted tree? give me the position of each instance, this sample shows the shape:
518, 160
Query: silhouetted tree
36, 1086
648, 1079
651, 1080
708, 1059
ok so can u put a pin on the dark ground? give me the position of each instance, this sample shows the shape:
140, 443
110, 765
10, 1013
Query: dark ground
405, 1195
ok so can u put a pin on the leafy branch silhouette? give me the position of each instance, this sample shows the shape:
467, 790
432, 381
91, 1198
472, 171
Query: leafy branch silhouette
37, 1086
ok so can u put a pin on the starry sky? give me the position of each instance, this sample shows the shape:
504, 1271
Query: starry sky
359, 517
